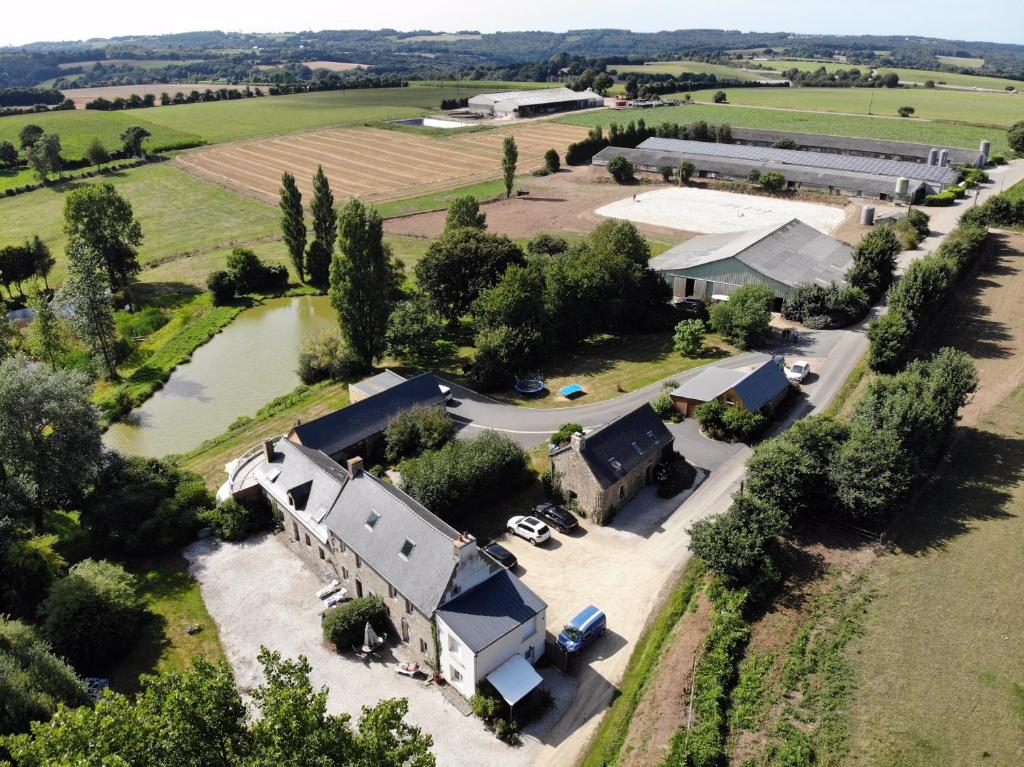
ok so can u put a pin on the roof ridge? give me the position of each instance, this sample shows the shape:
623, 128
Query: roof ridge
768, 230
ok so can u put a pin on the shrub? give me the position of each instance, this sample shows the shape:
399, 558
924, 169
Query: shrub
551, 161
688, 339
772, 181
344, 625
742, 425
33, 681
131, 325
252, 275
27, 568
666, 173
940, 200
621, 169
890, 340
413, 328
564, 433
234, 521
719, 97
545, 244
711, 417
413, 431
222, 285
920, 220
907, 234
664, 407
93, 614
325, 357
744, 319
445, 480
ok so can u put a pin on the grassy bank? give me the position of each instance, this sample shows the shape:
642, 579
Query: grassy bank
606, 744
485, 192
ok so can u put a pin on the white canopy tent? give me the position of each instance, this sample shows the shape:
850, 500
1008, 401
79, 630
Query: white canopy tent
514, 679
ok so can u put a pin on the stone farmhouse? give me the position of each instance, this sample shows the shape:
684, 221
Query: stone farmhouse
451, 606
760, 386
603, 470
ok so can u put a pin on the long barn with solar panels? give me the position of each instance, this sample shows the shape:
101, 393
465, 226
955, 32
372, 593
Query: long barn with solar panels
850, 175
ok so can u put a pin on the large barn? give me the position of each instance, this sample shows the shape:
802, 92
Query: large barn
713, 266
531, 103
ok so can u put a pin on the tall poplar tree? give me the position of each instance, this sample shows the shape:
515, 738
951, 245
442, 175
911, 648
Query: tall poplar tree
325, 230
87, 292
363, 279
509, 159
293, 223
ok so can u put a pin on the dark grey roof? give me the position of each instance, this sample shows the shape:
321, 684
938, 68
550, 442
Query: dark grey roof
343, 428
487, 612
791, 253
388, 379
612, 451
786, 157
756, 384
957, 155
652, 159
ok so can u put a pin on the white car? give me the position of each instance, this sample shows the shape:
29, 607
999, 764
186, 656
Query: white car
798, 371
530, 528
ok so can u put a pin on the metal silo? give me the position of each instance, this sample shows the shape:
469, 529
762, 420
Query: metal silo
867, 215
943, 157
902, 188
933, 156
986, 149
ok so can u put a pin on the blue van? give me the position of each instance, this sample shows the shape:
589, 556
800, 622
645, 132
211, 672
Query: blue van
582, 630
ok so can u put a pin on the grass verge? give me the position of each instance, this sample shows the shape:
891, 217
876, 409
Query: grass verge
485, 192
607, 741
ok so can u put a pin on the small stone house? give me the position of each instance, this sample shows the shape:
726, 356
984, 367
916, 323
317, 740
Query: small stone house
603, 470
376, 540
758, 387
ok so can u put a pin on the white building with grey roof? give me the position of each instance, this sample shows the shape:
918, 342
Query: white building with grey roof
713, 266
531, 103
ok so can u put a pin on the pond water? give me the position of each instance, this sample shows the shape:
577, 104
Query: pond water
240, 370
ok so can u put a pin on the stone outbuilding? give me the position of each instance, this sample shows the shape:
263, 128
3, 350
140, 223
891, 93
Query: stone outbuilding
603, 470
758, 387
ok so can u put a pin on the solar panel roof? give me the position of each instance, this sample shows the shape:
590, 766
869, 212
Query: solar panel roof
872, 165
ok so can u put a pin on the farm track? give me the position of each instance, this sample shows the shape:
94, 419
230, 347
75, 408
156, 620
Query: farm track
374, 164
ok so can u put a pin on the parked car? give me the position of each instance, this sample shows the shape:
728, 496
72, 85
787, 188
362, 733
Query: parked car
501, 555
530, 528
798, 371
556, 516
446, 392
582, 630
692, 309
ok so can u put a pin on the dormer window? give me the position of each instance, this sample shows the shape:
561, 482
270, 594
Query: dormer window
651, 435
407, 548
373, 519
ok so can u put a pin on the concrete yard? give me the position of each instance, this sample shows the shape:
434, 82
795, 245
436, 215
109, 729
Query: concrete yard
711, 211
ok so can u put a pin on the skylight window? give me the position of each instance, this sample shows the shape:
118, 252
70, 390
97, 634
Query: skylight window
407, 548
615, 464
273, 474
639, 450
651, 435
373, 519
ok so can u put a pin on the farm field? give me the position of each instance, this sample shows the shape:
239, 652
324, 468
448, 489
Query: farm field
140, 63
961, 61
834, 124
905, 73
331, 66
676, 68
76, 129
996, 109
81, 96
373, 164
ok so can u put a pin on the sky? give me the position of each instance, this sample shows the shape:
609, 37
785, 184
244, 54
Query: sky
990, 20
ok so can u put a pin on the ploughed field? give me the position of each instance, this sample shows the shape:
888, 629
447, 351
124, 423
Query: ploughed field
374, 164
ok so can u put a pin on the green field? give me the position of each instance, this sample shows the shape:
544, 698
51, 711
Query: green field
905, 73
77, 128
778, 119
960, 61
676, 68
995, 109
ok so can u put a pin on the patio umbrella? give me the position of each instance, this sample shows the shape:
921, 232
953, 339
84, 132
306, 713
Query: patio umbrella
370, 638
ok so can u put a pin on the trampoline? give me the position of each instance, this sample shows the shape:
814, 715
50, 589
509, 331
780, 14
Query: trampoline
530, 386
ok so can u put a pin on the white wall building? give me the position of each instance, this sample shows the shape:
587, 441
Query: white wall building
531, 103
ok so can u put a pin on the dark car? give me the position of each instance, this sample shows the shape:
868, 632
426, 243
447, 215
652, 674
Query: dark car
556, 516
503, 556
692, 308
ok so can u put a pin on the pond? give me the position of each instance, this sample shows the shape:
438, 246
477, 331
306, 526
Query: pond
242, 368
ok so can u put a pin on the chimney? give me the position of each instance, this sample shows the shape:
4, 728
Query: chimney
355, 466
462, 541
268, 449
578, 441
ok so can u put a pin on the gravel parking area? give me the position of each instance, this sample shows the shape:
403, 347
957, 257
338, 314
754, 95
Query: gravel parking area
712, 211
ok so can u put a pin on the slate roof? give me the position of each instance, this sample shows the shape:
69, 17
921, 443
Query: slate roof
487, 612
652, 159
378, 383
756, 384
790, 253
786, 157
957, 155
344, 428
343, 504
533, 97
614, 450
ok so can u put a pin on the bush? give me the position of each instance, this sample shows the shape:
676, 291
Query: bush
564, 433
688, 339
719, 97
33, 680
711, 417
344, 625
621, 169
744, 319
413, 328
940, 200
742, 425
27, 568
93, 614
416, 430
234, 521
254, 276
664, 408
920, 220
144, 505
132, 325
545, 244
222, 285
445, 480
325, 357
551, 161
907, 234
772, 181
890, 340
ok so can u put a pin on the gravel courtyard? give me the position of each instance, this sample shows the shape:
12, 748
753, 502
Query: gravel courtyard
711, 211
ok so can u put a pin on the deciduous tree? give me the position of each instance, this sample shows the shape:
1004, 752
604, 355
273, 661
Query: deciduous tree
293, 223
509, 160
102, 221
132, 140
464, 211
87, 293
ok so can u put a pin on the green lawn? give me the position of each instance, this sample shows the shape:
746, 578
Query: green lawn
824, 122
998, 109
905, 73
79, 127
179, 213
488, 190
721, 71
940, 669
1016, 192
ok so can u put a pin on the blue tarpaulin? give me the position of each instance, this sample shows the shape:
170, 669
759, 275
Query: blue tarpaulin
571, 390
